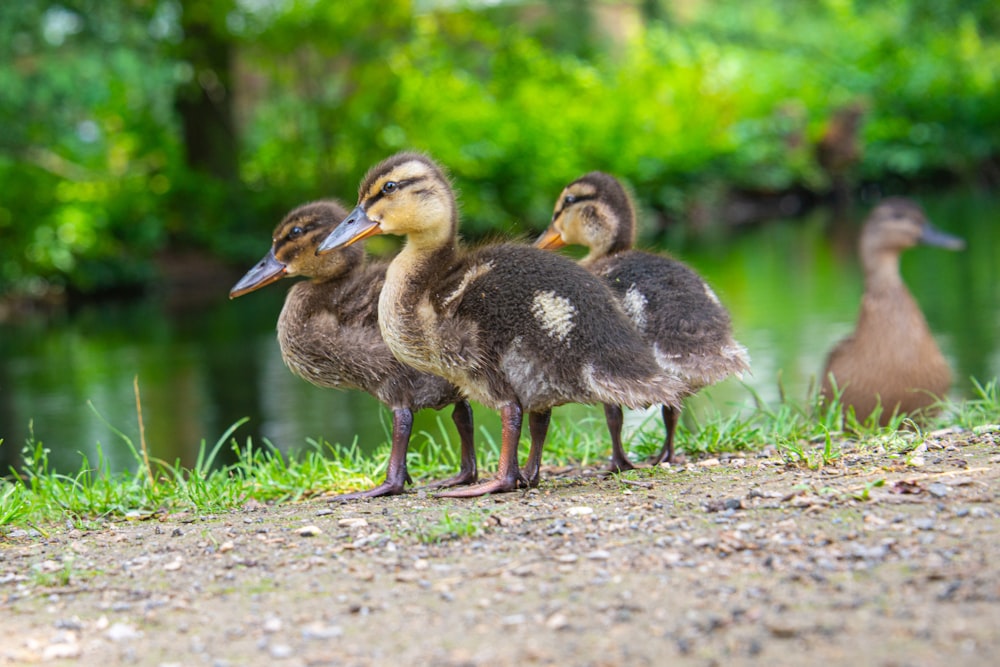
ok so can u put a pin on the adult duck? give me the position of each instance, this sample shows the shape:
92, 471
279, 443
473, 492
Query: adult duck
673, 308
329, 335
891, 360
515, 328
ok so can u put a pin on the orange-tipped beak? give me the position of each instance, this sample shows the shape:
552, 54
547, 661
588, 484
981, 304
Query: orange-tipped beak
353, 228
267, 271
550, 240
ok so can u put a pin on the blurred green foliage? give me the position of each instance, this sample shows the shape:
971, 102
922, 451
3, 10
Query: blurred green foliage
516, 98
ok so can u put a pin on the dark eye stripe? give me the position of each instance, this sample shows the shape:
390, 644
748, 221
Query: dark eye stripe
309, 232
399, 186
577, 199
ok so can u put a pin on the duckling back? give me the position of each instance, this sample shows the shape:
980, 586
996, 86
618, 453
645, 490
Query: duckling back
552, 329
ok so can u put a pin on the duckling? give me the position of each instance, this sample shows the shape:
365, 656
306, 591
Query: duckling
329, 335
516, 328
673, 308
891, 359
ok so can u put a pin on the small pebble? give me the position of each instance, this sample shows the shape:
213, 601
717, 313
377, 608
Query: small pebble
557, 622
67, 651
280, 651
938, 490
308, 531
321, 631
120, 632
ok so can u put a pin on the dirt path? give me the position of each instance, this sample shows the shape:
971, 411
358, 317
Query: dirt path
731, 562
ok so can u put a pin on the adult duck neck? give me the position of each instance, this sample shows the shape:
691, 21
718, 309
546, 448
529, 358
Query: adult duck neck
882, 272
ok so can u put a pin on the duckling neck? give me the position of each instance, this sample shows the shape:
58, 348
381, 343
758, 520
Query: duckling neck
622, 241
405, 312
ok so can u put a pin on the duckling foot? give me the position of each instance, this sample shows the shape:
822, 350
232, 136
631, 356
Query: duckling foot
666, 454
461, 479
495, 485
509, 476
621, 466
538, 423
386, 488
468, 472
619, 461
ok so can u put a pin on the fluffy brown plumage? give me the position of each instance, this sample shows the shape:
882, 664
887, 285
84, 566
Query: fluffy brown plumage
329, 334
891, 359
515, 328
672, 307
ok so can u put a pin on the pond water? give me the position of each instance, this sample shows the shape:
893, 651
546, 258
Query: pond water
793, 291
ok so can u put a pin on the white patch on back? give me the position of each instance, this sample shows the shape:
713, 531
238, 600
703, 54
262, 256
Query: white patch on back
711, 295
635, 306
554, 313
473, 274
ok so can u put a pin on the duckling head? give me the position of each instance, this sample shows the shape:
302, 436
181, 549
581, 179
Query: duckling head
898, 223
293, 249
594, 211
407, 194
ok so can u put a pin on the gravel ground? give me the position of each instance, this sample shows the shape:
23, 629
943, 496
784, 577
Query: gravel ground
879, 560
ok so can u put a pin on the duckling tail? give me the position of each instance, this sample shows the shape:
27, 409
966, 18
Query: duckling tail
659, 388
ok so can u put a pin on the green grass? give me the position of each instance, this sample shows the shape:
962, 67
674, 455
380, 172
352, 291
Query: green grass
452, 527
810, 435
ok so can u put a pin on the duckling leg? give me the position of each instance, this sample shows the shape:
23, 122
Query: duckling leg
508, 474
468, 473
614, 418
538, 425
396, 475
666, 454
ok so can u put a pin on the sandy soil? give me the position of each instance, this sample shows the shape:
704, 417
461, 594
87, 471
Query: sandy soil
880, 560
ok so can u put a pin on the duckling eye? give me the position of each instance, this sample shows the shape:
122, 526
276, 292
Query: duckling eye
569, 199
389, 187
295, 233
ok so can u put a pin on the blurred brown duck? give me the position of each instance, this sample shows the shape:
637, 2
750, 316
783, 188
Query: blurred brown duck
329, 335
675, 311
891, 359
516, 328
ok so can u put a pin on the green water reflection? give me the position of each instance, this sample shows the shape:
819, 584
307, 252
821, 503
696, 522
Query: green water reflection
792, 289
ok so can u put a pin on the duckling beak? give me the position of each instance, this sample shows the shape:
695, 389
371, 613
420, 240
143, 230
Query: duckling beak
934, 236
267, 271
353, 228
550, 240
